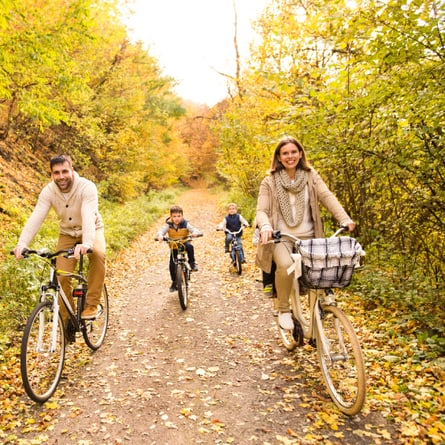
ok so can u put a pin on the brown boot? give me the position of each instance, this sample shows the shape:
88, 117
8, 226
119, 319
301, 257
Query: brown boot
89, 313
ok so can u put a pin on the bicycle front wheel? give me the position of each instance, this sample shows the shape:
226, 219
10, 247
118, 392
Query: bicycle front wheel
94, 331
238, 266
341, 360
182, 285
42, 353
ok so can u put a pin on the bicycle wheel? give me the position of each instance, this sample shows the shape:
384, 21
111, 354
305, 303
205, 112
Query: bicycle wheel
341, 360
94, 331
238, 266
42, 353
182, 285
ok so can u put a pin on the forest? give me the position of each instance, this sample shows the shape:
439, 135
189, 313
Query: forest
360, 83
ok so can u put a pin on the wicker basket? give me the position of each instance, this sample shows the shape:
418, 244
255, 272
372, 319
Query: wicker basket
329, 262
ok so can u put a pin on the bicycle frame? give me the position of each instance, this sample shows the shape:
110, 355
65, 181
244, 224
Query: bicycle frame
234, 241
183, 269
59, 292
46, 334
310, 324
328, 329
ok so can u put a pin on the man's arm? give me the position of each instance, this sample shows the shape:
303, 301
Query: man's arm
34, 222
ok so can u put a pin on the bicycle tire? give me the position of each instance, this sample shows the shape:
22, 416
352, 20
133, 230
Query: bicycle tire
182, 285
238, 265
342, 366
95, 330
41, 361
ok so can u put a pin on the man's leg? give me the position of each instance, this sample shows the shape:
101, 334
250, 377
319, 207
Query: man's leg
96, 274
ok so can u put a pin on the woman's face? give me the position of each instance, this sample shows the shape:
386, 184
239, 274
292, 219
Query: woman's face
289, 156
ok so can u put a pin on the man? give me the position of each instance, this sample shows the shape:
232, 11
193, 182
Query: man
75, 202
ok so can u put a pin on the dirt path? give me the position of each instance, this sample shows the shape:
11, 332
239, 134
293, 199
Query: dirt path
213, 374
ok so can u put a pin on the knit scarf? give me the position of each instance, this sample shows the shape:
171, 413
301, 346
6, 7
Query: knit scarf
284, 186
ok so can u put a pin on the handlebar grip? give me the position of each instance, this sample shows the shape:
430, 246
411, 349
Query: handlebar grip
24, 252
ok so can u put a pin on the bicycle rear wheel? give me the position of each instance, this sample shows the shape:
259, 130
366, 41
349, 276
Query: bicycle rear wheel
42, 353
182, 285
237, 261
94, 331
341, 360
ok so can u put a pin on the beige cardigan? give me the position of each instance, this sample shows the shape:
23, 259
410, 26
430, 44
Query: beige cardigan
77, 210
268, 210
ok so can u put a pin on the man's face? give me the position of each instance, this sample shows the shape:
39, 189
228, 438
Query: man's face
176, 218
63, 175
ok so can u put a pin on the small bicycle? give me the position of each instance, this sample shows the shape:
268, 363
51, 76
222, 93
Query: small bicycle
45, 337
320, 265
182, 266
235, 250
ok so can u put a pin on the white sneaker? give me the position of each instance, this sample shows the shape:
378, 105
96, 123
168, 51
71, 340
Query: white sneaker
285, 321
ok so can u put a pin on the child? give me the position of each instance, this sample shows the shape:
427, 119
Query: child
233, 222
177, 227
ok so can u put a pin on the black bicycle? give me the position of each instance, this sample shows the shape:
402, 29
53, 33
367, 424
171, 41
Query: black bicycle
235, 249
45, 337
182, 266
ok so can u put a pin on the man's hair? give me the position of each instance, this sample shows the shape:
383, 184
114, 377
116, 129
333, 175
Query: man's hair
60, 159
176, 209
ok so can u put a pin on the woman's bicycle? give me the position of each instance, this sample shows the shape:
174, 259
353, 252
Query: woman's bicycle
45, 337
319, 265
235, 250
182, 266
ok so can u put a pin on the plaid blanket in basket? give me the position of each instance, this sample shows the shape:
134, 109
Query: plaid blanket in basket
329, 262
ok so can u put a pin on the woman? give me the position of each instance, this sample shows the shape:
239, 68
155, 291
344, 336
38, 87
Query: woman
288, 201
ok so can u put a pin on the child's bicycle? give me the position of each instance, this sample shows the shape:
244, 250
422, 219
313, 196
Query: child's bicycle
182, 266
319, 265
235, 250
44, 339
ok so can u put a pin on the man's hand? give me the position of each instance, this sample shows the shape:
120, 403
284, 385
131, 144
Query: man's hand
18, 251
81, 249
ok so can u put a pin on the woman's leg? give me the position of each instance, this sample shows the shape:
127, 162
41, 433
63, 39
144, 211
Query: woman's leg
283, 281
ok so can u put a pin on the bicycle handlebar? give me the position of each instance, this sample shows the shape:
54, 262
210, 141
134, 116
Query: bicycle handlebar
277, 234
46, 254
231, 233
184, 238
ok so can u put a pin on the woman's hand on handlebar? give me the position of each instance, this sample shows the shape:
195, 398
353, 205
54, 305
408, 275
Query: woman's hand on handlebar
349, 227
266, 236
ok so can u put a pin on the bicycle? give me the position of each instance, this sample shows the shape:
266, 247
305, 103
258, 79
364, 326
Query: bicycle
320, 265
235, 250
45, 337
182, 266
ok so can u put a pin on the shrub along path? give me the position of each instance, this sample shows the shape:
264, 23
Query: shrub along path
213, 374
